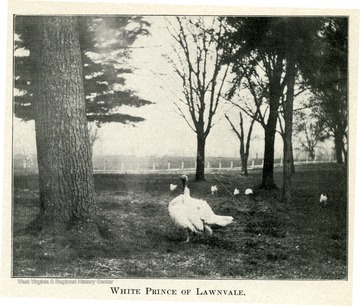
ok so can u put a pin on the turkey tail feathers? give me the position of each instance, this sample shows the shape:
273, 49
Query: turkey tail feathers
220, 220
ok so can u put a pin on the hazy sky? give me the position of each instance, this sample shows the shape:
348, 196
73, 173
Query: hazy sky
163, 132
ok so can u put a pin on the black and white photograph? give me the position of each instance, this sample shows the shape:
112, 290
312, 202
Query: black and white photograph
180, 146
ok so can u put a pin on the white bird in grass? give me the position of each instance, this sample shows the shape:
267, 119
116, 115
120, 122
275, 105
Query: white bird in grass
236, 191
173, 187
248, 191
214, 189
195, 215
323, 199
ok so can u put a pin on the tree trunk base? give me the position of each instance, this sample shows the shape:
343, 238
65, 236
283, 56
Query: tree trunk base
78, 238
98, 227
268, 187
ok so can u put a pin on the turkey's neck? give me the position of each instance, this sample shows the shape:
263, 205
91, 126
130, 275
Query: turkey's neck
185, 188
186, 191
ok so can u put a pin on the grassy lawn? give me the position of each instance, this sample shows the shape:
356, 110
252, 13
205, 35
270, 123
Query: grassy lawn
267, 240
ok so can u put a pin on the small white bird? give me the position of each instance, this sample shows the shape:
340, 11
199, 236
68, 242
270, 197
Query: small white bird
323, 199
236, 191
214, 189
195, 215
248, 191
173, 187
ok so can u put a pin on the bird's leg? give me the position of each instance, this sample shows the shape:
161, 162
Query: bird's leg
187, 235
208, 228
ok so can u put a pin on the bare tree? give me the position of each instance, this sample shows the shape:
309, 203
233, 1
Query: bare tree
309, 132
199, 65
245, 141
255, 76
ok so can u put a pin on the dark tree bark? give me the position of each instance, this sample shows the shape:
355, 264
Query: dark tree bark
62, 139
200, 158
340, 151
288, 118
268, 169
244, 156
275, 92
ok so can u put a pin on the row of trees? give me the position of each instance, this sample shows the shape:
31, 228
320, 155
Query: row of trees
273, 59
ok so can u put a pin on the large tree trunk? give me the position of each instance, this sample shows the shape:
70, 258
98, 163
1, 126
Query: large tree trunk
268, 169
339, 147
62, 139
244, 165
275, 93
200, 157
288, 118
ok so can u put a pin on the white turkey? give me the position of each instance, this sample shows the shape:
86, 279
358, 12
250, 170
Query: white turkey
195, 215
214, 189
236, 191
323, 199
248, 191
173, 187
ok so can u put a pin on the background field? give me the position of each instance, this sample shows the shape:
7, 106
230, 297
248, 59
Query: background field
268, 240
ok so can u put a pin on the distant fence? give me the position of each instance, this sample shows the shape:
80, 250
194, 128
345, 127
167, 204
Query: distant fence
186, 167
126, 164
